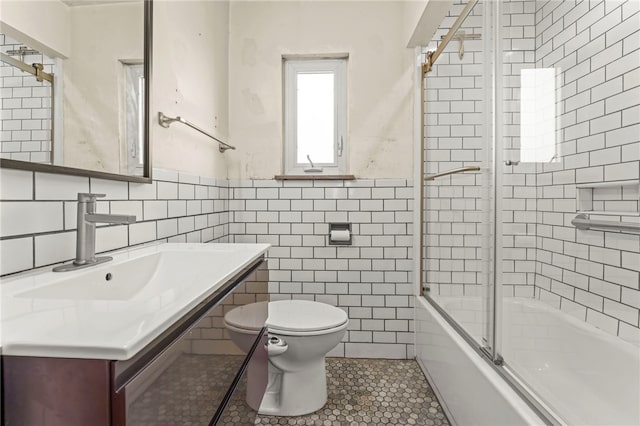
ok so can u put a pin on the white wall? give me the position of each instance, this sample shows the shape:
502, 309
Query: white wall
216, 60
412, 12
43, 25
190, 76
379, 81
423, 19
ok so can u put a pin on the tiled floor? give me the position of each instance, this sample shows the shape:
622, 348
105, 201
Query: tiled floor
184, 392
360, 392
365, 392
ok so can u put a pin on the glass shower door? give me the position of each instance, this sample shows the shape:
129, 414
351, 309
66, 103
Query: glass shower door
554, 306
458, 206
562, 311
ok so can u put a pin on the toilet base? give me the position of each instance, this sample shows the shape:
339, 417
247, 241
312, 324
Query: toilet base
295, 393
255, 384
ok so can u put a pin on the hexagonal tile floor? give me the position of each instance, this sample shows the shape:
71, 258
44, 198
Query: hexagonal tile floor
362, 392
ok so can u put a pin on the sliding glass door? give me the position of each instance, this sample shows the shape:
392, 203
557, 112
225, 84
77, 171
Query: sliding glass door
458, 168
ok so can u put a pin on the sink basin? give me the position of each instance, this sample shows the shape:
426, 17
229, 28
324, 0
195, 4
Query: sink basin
134, 278
114, 282
113, 310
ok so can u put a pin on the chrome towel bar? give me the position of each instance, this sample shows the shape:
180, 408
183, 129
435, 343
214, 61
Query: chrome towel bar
583, 222
453, 172
165, 121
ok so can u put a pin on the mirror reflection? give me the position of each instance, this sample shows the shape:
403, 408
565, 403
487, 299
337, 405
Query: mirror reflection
26, 102
73, 93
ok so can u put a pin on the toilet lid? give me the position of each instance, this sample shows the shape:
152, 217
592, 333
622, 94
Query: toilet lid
248, 317
304, 316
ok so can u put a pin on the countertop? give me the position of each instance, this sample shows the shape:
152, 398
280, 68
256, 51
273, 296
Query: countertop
114, 329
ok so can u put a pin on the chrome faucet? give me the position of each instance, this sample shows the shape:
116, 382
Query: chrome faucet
86, 234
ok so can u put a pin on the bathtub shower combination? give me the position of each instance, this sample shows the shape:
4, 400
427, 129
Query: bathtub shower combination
530, 212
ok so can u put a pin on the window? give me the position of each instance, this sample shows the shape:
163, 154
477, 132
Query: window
134, 117
538, 127
315, 100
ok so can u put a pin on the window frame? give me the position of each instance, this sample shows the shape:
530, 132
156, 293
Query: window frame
302, 65
133, 116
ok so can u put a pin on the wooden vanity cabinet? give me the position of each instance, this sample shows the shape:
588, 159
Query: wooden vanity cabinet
190, 374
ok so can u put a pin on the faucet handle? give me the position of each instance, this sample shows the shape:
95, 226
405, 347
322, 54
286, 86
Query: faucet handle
85, 197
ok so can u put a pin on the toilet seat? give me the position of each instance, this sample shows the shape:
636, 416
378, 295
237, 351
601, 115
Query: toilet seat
287, 317
304, 317
248, 319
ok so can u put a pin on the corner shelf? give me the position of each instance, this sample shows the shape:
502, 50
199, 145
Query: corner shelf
592, 198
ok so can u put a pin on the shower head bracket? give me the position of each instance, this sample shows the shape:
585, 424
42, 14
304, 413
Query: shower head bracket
461, 36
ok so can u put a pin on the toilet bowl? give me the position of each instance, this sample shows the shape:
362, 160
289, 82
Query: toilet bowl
301, 333
252, 318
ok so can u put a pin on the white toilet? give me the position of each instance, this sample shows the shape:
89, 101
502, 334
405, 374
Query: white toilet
301, 333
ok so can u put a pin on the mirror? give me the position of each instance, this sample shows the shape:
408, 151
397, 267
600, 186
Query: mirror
75, 80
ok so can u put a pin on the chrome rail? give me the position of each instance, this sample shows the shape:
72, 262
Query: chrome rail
453, 172
583, 223
165, 122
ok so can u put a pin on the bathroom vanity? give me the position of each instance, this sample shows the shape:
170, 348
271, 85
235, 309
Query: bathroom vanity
138, 341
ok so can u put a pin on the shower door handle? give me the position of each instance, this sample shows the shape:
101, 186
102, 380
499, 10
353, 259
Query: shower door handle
453, 172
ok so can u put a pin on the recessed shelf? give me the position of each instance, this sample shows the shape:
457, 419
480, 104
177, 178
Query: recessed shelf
619, 198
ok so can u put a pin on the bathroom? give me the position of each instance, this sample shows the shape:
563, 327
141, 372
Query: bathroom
486, 253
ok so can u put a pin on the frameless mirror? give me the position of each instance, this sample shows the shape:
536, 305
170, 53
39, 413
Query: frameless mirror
75, 78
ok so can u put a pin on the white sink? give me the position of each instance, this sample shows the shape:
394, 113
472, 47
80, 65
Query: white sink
107, 282
112, 310
134, 278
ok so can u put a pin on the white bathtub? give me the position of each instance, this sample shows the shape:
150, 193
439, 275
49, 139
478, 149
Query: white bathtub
586, 376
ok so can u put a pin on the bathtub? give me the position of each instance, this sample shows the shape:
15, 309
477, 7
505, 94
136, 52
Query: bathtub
580, 373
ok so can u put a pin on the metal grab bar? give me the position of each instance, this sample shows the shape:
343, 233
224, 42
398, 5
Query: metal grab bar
583, 222
453, 172
165, 121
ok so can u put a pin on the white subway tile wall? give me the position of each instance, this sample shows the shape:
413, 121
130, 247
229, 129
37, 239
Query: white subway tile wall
597, 45
25, 113
370, 279
16, 254
519, 182
38, 214
592, 275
